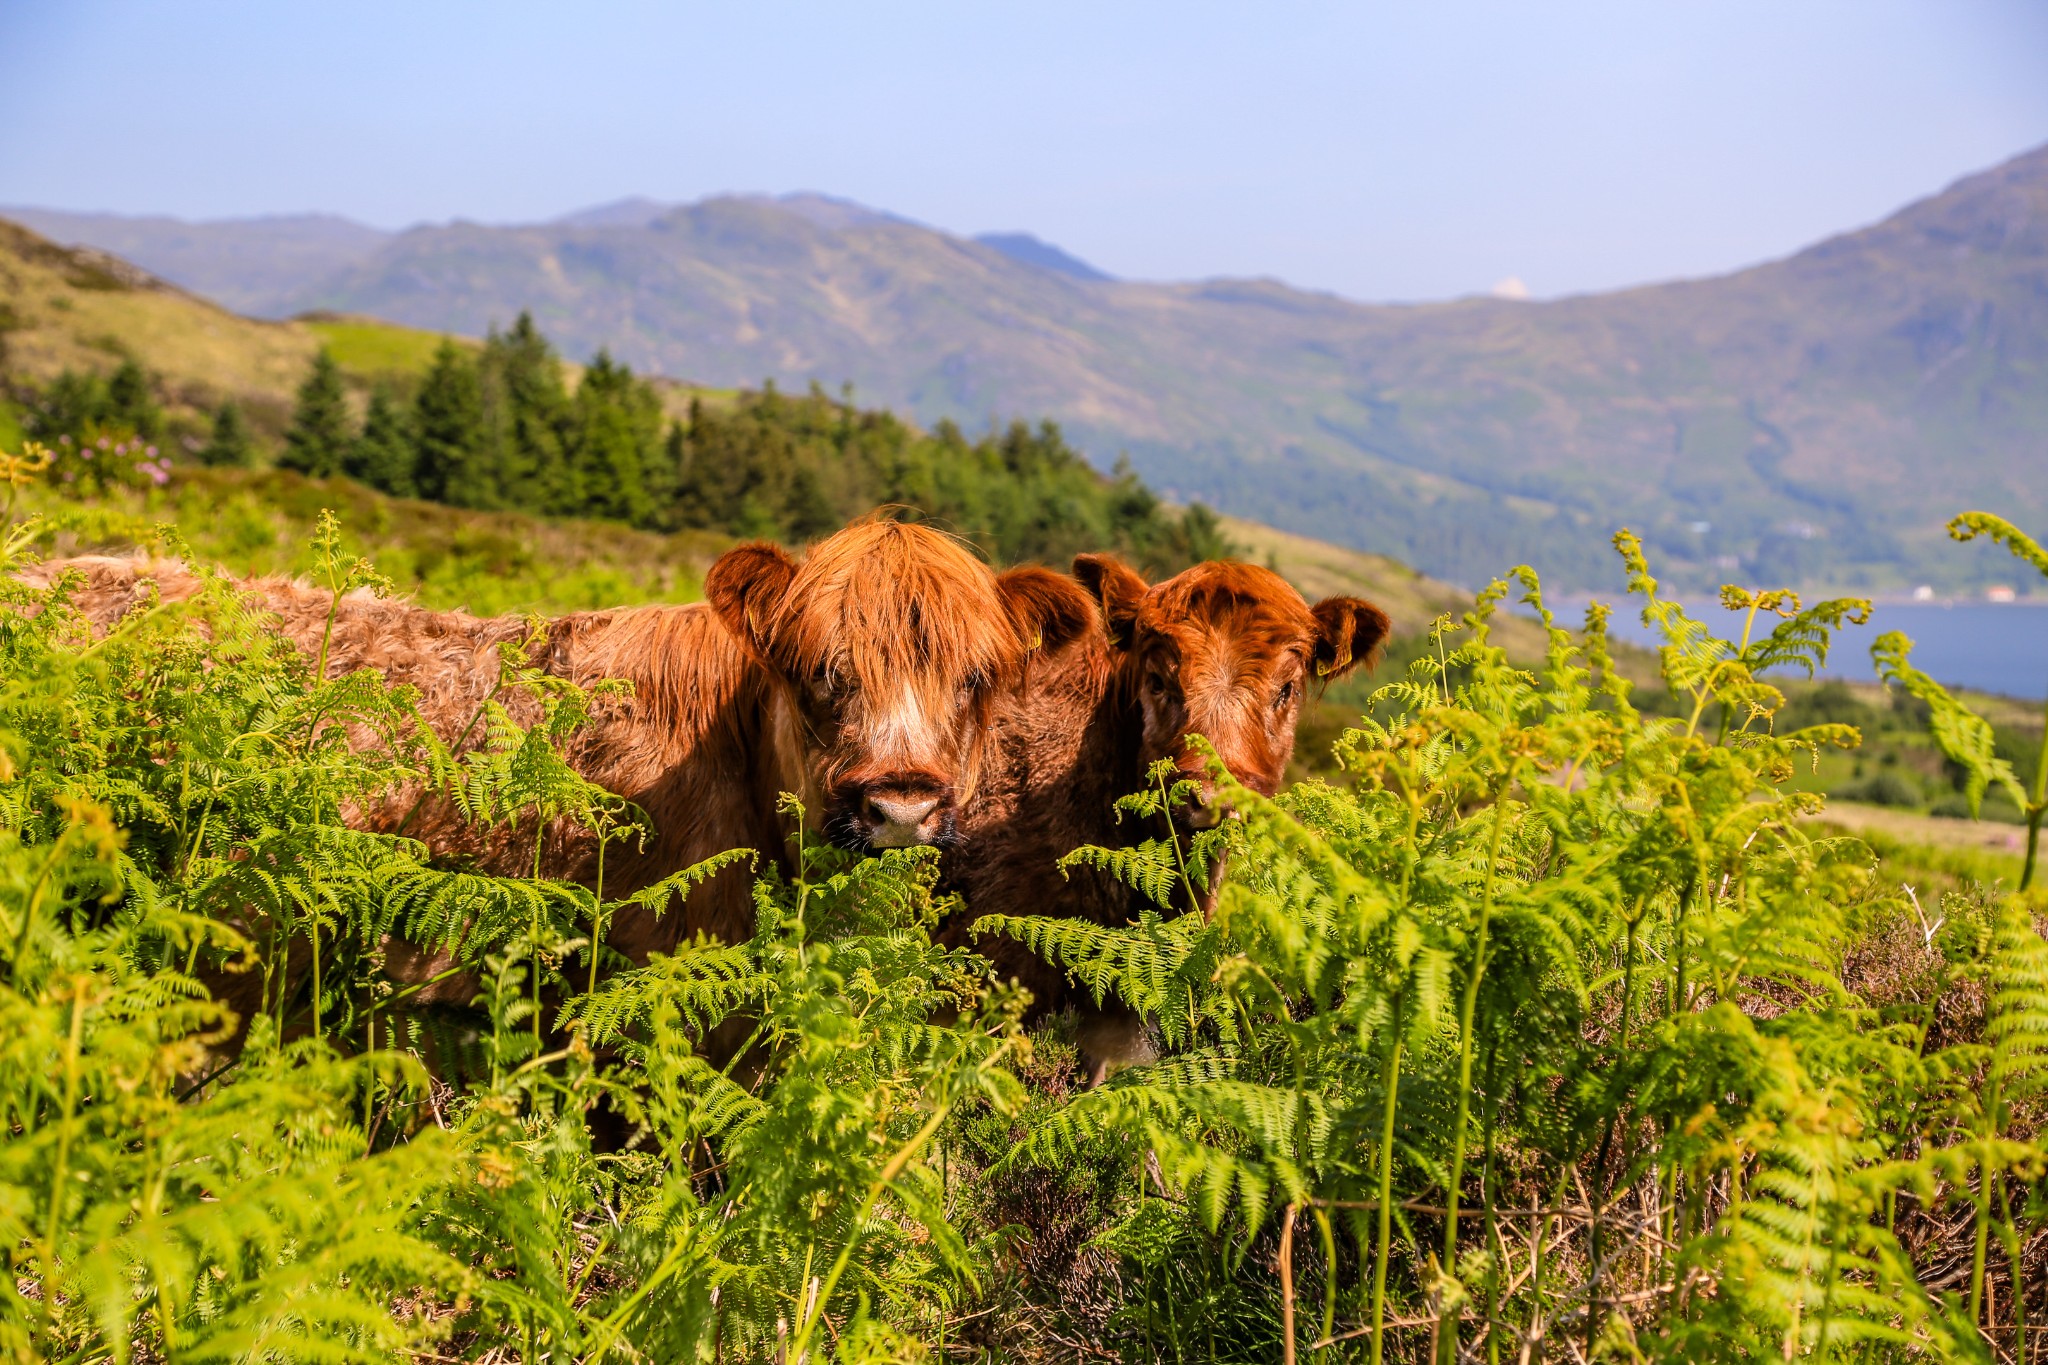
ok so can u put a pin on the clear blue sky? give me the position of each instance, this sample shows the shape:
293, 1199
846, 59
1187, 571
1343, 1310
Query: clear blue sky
1380, 150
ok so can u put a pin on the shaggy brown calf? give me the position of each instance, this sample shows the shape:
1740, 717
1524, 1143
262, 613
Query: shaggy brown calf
859, 677
1224, 650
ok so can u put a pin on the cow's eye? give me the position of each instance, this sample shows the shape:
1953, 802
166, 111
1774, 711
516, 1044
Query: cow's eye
1285, 695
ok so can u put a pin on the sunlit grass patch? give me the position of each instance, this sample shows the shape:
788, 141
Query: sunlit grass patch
368, 347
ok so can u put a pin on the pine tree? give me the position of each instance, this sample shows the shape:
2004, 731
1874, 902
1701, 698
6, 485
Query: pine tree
230, 446
319, 437
665, 478
807, 513
73, 405
528, 420
618, 436
699, 498
130, 404
384, 455
448, 426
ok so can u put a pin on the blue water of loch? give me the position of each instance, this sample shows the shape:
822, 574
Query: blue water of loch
1989, 646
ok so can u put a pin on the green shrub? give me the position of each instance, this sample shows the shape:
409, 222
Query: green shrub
1886, 787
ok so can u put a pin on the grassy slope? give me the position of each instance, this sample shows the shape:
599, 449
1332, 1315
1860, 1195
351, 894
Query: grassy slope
70, 310
368, 348
1321, 569
260, 522
62, 308
66, 309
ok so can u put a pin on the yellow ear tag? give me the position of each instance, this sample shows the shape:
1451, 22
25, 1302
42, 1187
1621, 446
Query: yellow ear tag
1036, 640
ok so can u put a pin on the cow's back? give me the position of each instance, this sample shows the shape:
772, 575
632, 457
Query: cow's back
695, 745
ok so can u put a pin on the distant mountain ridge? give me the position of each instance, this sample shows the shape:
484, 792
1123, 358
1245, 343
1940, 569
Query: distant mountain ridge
247, 264
1022, 246
1810, 420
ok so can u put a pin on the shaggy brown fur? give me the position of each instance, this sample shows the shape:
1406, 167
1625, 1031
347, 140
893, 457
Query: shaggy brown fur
892, 641
695, 746
860, 674
1223, 650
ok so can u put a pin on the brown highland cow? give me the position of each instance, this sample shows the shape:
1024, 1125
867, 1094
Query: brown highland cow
860, 678
1223, 650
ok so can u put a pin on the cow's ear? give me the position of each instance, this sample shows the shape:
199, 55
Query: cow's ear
1117, 590
1348, 633
1048, 609
745, 585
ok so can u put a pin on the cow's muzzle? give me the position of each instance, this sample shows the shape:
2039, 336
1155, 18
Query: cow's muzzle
902, 814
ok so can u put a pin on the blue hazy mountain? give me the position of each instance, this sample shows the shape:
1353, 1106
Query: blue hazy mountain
1022, 246
1813, 419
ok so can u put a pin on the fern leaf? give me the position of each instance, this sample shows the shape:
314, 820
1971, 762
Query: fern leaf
1963, 735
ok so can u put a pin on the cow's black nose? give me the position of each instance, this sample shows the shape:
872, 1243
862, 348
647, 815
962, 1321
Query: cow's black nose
898, 819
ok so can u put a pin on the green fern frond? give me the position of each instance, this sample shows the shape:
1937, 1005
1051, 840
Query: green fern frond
2024, 547
1963, 735
2017, 1021
703, 982
1150, 867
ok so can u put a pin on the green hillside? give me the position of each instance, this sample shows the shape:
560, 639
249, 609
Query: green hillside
65, 309
243, 265
370, 348
262, 522
1784, 423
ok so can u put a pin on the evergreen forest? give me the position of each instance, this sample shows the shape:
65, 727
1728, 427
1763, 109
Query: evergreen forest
507, 425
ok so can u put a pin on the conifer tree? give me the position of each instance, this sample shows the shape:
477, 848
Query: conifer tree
448, 431
384, 455
130, 404
73, 404
527, 420
699, 495
230, 446
665, 478
319, 437
806, 512
618, 435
